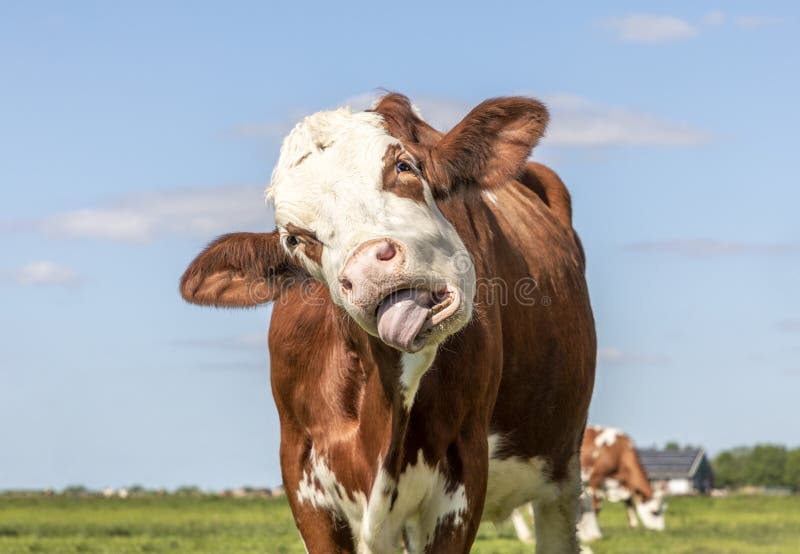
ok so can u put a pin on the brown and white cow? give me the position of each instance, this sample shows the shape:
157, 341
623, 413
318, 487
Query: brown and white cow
432, 345
612, 470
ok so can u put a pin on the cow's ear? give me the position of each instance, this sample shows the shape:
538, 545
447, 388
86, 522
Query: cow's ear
239, 270
403, 122
489, 146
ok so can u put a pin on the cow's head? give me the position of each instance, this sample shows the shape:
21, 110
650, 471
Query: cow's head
355, 205
651, 512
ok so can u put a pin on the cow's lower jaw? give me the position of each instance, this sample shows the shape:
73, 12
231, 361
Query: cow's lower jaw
409, 319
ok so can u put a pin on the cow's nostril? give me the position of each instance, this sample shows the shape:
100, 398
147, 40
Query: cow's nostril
386, 251
347, 285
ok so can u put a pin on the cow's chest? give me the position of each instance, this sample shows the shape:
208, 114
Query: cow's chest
421, 497
416, 503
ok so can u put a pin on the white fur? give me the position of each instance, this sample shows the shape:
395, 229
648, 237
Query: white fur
423, 502
555, 519
588, 527
413, 367
521, 526
514, 481
652, 512
329, 180
614, 492
332, 496
607, 436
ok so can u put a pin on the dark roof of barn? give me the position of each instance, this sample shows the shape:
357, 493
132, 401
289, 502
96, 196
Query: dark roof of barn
671, 464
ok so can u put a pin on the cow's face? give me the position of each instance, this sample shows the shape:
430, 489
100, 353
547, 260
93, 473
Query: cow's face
355, 205
652, 511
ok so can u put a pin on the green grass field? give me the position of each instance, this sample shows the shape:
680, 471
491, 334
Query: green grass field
174, 524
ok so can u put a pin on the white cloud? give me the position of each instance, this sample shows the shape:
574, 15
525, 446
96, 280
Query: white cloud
143, 217
708, 248
715, 17
754, 21
442, 113
790, 325
576, 121
648, 28
614, 356
45, 273
253, 345
255, 341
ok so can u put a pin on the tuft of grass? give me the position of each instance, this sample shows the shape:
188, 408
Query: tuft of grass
203, 524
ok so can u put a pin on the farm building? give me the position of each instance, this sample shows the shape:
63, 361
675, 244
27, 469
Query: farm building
685, 471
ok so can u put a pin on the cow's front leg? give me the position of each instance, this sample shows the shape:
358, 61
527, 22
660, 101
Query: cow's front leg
448, 519
633, 522
588, 528
524, 532
321, 531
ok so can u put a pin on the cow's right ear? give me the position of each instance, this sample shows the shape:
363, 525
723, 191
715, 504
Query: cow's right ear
239, 270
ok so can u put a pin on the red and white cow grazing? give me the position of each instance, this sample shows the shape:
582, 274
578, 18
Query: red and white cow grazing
432, 344
612, 470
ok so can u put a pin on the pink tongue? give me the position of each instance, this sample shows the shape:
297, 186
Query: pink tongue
402, 316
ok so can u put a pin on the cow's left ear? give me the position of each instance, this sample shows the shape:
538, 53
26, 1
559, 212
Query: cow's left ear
489, 146
403, 122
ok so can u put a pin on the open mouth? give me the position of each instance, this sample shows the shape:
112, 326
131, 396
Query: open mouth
408, 317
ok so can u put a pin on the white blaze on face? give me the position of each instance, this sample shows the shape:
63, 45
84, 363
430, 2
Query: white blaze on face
329, 181
652, 512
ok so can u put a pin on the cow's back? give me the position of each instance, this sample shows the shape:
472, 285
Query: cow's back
549, 343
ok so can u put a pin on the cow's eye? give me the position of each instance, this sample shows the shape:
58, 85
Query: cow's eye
292, 241
403, 166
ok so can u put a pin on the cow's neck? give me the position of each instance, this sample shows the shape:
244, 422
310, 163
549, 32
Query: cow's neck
634, 475
400, 375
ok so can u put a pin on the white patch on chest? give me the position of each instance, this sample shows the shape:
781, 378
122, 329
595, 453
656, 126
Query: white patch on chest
607, 436
413, 367
425, 499
515, 481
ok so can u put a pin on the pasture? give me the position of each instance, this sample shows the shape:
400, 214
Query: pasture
211, 524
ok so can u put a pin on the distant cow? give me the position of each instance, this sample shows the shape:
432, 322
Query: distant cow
432, 345
611, 469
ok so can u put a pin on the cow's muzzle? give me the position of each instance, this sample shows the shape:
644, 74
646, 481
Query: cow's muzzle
405, 311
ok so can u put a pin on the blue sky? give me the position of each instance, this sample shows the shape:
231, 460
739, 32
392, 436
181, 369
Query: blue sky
133, 133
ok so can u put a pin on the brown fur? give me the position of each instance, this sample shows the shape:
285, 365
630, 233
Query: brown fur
521, 369
618, 461
402, 183
238, 270
308, 242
